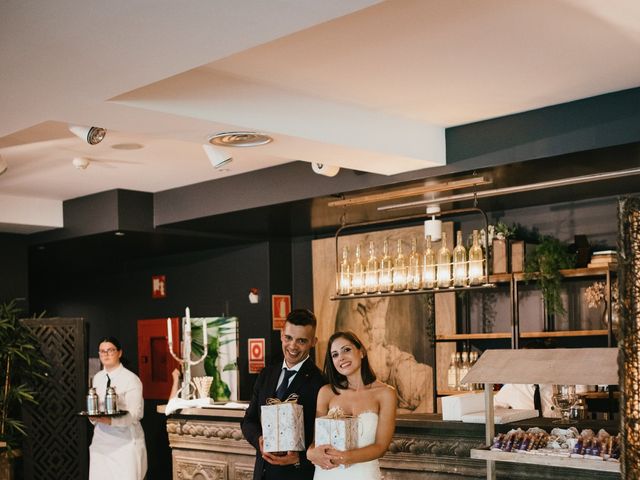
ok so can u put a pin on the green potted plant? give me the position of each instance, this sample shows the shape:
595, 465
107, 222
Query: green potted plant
21, 368
544, 265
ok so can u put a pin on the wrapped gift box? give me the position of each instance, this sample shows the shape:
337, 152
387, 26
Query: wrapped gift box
339, 432
282, 427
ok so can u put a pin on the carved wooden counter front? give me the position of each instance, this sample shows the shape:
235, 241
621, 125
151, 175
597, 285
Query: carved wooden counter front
207, 444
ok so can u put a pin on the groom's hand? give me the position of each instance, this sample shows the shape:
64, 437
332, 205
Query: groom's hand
290, 458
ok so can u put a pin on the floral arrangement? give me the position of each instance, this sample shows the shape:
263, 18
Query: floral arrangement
594, 294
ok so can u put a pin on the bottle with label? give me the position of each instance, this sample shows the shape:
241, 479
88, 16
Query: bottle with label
413, 272
459, 262
443, 270
476, 262
452, 374
428, 265
386, 269
344, 274
399, 270
371, 272
357, 279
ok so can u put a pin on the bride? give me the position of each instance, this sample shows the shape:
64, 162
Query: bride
354, 389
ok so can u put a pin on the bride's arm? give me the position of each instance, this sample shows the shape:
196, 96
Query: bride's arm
384, 433
317, 455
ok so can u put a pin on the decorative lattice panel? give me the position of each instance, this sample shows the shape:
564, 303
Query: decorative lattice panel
57, 443
629, 359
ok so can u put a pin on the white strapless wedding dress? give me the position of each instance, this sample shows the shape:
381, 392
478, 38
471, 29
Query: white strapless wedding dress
367, 426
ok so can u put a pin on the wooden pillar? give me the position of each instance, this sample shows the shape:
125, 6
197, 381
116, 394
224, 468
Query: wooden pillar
629, 354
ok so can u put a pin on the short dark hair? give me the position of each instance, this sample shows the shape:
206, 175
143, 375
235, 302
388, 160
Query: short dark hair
336, 379
114, 340
302, 317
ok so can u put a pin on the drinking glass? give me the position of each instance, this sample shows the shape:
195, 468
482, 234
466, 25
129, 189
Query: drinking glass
564, 397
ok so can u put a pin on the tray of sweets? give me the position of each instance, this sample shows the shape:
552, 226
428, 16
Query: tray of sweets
119, 413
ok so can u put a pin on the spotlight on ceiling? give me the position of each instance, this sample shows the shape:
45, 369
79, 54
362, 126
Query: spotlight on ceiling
3, 165
218, 158
81, 163
324, 169
91, 135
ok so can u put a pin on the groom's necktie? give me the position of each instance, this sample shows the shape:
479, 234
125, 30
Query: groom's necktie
284, 386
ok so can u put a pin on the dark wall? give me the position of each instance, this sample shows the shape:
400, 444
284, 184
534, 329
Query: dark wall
211, 283
13, 267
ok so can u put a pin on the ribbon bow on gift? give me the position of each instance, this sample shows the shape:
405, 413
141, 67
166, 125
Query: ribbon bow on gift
293, 398
335, 413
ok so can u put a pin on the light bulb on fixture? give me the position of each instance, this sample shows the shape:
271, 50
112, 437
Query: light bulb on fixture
91, 135
433, 227
218, 158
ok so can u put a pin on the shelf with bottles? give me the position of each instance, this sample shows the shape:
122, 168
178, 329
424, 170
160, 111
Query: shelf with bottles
459, 366
432, 271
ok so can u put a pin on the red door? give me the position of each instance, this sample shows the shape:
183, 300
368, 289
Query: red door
155, 363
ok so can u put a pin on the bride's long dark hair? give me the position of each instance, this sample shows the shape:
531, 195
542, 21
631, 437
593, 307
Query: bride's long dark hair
336, 379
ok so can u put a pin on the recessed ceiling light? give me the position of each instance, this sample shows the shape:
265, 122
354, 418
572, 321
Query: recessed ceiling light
127, 146
240, 139
119, 234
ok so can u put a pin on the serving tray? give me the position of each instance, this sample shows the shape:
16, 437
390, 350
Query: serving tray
119, 413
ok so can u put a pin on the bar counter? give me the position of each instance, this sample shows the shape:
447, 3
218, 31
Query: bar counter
208, 442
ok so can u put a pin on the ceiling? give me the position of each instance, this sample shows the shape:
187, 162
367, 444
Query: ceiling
365, 85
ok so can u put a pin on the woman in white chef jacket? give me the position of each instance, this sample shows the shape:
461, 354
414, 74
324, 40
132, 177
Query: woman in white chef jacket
118, 450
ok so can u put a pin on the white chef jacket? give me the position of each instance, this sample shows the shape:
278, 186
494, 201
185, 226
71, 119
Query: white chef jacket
118, 450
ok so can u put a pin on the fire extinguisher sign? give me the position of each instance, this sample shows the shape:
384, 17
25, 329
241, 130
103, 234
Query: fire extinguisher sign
256, 355
280, 308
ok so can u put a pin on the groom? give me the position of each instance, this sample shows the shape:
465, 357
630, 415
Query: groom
296, 374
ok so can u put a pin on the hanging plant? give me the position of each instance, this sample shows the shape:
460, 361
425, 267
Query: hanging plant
544, 265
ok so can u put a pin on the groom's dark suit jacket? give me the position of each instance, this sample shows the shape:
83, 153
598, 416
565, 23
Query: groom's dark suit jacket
306, 383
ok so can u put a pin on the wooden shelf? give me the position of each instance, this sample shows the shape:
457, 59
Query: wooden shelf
472, 336
506, 335
546, 460
446, 393
574, 272
565, 333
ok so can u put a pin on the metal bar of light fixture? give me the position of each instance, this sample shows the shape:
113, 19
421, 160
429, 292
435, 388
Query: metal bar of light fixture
411, 192
517, 189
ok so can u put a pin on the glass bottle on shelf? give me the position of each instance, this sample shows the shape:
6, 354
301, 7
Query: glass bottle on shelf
458, 367
344, 280
386, 271
473, 358
371, 272
399, 270
428, 265
443, 269
459, 262
476, 262
357, 279
464, 369
413, 272
452, 373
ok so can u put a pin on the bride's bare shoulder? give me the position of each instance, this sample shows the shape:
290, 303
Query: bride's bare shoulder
383, 388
